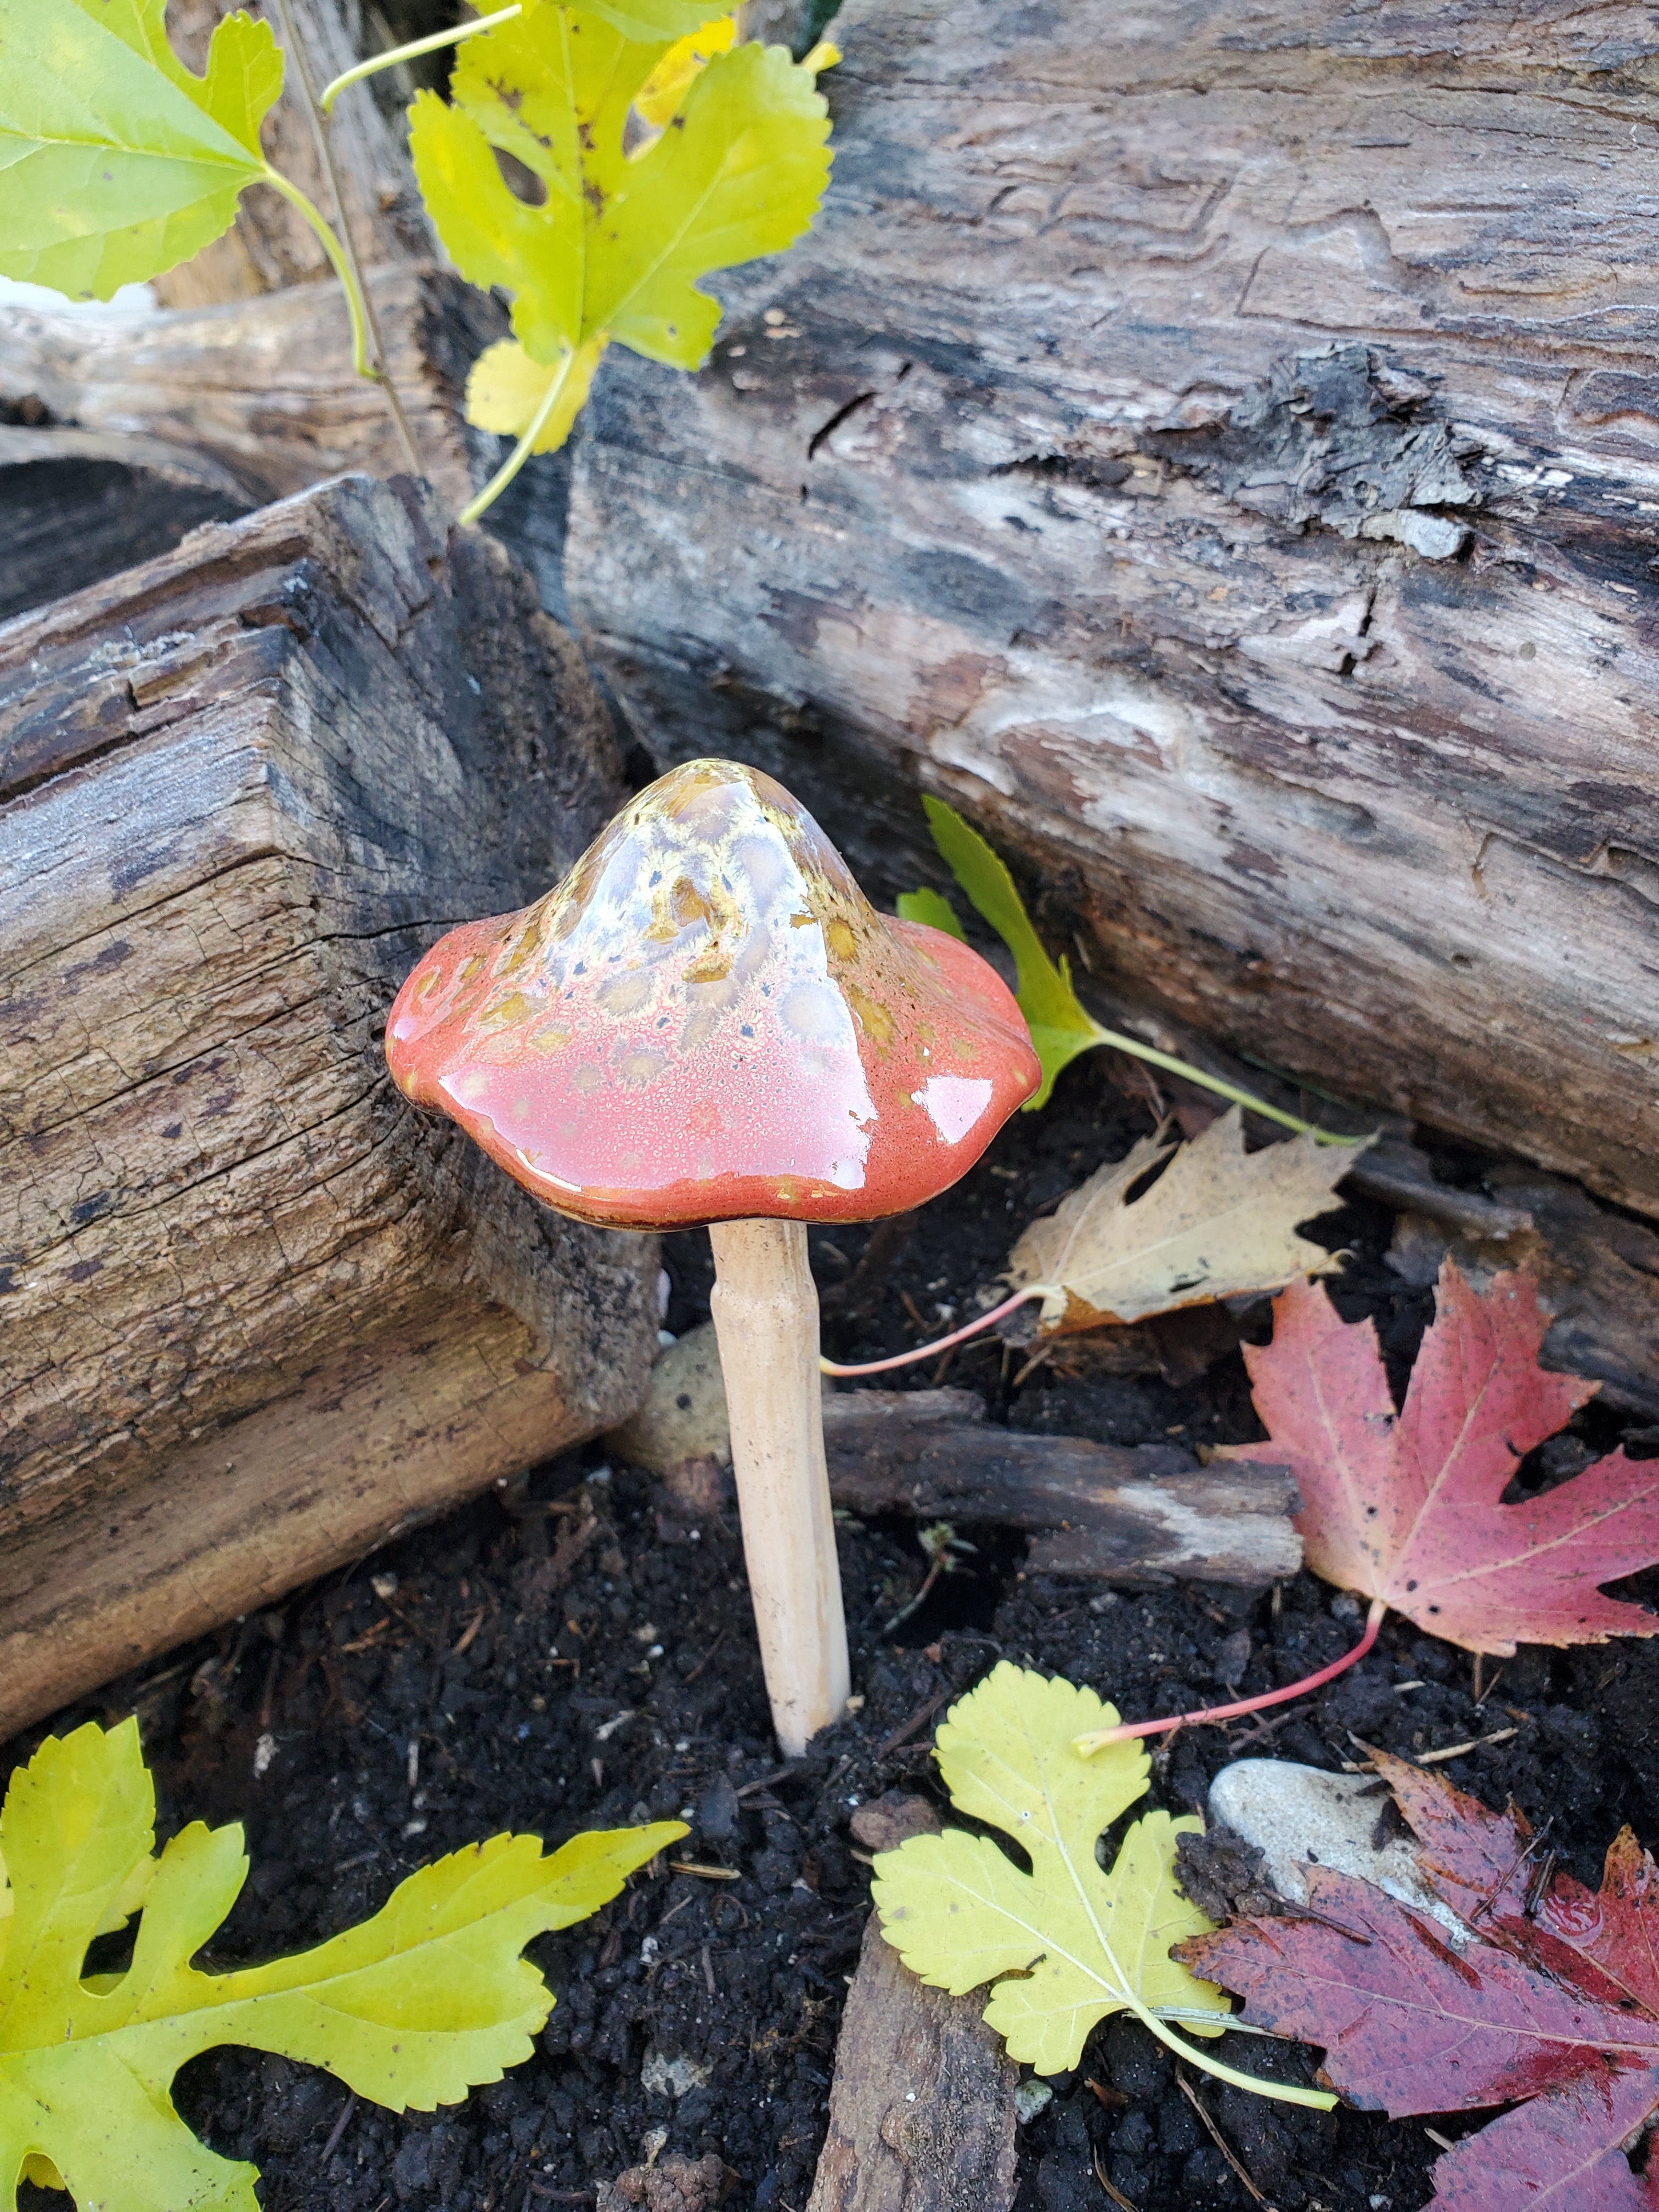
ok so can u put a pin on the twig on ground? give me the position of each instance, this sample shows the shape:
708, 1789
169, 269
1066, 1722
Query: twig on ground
1458, 1750
908, 1729
707, 1656
1116, 2194
339, 2129
1221, 2141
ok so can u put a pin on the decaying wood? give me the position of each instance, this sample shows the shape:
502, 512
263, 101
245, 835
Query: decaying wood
1597, 1270
253, 1309
260, 392
1218, 448
922, 2108
1143, 1514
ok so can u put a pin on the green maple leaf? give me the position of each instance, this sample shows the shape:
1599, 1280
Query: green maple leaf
409, 2010
630, 222
117, 162
1077, 1943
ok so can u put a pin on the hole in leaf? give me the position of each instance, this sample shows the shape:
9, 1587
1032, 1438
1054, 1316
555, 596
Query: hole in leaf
523, 182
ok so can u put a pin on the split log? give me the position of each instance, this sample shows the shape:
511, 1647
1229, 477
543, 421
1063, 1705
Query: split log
921, 2108
261, 391
1141, 1515
255, 1312
1217, 448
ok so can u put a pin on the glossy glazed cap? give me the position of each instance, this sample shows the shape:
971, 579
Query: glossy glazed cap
708, 1021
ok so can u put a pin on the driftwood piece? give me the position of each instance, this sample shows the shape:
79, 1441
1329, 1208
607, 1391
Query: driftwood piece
921, 2108
1141, 1515
254, 1311
1217, 448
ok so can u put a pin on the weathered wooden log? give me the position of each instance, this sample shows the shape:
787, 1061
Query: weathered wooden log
254, 1311
1597, 1273
921, 2108
1216, 447
1140, 1515
259, 392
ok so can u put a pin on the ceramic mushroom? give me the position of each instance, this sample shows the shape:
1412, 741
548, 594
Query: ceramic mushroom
706, 1022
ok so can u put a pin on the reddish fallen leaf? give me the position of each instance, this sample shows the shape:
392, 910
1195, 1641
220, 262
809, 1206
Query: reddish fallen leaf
1406, 1508
1552, 2006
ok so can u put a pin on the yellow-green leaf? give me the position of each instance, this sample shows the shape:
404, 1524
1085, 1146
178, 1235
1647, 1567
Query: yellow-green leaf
410, 2008
116, 162
615, 248
645, 20
1217, 1223
933, 908
1086, 1942
507, 391
660, 94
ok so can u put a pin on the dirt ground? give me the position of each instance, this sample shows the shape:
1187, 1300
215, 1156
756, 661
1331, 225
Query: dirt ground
440, 1692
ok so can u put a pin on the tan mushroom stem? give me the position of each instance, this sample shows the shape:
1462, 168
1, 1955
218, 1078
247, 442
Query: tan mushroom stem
766, 1318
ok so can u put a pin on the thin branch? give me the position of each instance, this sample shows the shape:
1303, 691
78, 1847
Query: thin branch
1220, 2140
378, 371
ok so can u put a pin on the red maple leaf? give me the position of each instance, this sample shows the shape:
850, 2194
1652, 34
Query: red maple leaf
1405, 1507
1550, 2005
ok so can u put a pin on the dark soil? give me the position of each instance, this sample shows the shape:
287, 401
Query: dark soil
437, 1693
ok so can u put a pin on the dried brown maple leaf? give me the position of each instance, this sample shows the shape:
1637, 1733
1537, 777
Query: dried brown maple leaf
1406, 1508
1218, 1221
1550, 2005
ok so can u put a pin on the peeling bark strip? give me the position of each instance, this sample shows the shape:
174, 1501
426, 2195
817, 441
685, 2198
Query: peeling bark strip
1137, 1516
921, 2109
253, 1312
1218, 448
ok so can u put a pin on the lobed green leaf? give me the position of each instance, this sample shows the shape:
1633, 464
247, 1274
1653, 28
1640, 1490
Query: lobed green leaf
627, 225
116, 162
1083, 1942
410, 2010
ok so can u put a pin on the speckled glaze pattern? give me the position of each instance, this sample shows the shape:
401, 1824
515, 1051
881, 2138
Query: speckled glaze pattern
708, 1021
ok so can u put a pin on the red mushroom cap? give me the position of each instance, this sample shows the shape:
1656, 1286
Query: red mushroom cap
708, 1021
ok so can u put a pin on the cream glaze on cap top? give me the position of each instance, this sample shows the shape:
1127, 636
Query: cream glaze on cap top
708, 1021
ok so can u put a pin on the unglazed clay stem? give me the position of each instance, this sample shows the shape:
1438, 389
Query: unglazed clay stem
766, 1318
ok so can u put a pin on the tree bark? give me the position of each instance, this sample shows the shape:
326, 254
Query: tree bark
254, 1310
1216, 449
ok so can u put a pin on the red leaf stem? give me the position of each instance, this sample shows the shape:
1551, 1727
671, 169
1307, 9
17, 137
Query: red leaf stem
1128, 1730
940, 1344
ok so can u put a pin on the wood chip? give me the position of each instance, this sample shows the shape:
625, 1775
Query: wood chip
1459, 1750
